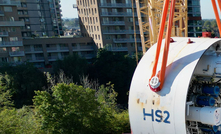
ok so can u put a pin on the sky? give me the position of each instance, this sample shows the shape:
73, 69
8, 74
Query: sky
69, 12
67, 9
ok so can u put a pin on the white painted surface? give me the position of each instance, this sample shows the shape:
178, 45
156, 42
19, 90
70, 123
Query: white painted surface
182, 61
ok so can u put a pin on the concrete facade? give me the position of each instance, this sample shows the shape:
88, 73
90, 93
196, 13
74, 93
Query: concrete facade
44, 51
109, 23
194, 19
41, 17
11, 44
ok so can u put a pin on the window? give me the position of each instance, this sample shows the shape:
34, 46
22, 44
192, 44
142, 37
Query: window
25, 12
97, 28
15, 49
19, 12
8, 9
3, 49
23, 5
17, 59
27, 19
11, 29
13, 38
96, 19
94, 28
28, 27
38, 6
11, 19
108, 37
39, 13
98, 37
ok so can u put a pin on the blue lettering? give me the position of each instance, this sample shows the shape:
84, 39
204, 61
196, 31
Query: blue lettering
146, 114
157, 113
168, 116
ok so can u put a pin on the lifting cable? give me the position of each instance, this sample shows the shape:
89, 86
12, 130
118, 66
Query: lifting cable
135, 34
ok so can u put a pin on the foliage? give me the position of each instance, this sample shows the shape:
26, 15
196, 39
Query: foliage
22, 80
19, 121
210, 26
73, 67
117, 68
5, 96
74, 109
74, 22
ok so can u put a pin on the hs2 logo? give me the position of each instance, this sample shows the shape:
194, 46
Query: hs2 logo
158, 115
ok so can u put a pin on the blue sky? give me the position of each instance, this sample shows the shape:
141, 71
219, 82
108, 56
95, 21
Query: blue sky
69, 12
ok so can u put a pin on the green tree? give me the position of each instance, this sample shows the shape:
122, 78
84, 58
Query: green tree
5, 96
73, 109
207, 23
115, 67
22, 80
15, 121
73, 66
213, 24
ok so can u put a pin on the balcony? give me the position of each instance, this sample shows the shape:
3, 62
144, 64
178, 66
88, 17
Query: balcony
75, 6
23, 15
194, 25
3, 34
121, 14
87, 56
125, 40
39, 58
113, 23
52, 58
64, 48
74, 47
120, 5
17, 53
2, 13
11, 44
51, 48
110, 48
87, 47
114, 13
10, 2
119, 32
12, 23
38, 49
